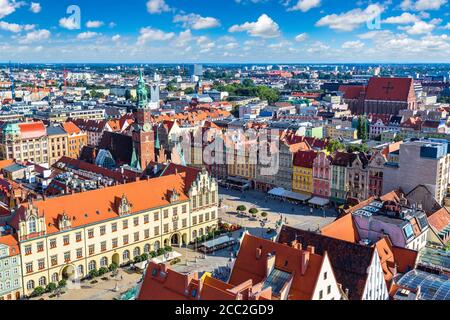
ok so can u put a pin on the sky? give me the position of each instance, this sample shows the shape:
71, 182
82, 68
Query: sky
225, 31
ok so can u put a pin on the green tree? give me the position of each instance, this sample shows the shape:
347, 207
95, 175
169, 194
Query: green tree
358, 148
50, 287
253, 211
241, 208
38, 291
248, 83
335, 145
362, 128
189, 91
113, 267
93, 274
62, 283
399, 137
264, 214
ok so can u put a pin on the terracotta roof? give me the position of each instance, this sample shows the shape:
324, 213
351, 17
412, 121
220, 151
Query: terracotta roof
440, 219
343, 229
350, 261
343, 159
352, 92
32, 130
98, 205
389, 89
11, 241
71, 128
5, 163
288, 259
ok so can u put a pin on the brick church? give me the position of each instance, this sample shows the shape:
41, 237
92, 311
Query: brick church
380, 96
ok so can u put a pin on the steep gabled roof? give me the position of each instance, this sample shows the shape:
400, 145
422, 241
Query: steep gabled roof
389, 89
350, 261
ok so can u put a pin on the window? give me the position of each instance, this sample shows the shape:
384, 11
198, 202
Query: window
328, 289
30, 285
52, 243
194, 202
166, 228
320, 294
213, 197
213, 215
27, 250
156, 216
67, 256
184, 209
102, 230
125, 239
78, 237
136, 221
104, 262
166, 213
325, 275
136, 236
114, 227
115, 243
103, 246
207, 216
146, 219
32, 225
184, 223
79, 253
42, 282
91, 249
147, 233
200, 201
66, 240
55, 277
126, 255
40, 246
175, 211
125, 224
194, 220
90, 233
91, 265
54, 260
156, 231
41, 264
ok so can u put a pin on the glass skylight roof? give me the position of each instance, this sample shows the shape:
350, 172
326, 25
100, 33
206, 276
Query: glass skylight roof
276, 279
432, 287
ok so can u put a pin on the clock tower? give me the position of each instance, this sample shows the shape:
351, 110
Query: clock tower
143, 134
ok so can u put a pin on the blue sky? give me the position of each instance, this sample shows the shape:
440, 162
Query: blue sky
225, 31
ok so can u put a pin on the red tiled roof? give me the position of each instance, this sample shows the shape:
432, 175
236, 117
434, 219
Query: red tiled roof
440, 219
352, 92
10, 241
304, 159
71, 128
389, 89
32, 130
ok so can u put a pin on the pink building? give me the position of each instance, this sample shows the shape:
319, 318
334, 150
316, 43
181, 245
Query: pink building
322, 175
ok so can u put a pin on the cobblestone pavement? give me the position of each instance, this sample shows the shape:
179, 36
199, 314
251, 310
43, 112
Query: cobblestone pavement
300, 216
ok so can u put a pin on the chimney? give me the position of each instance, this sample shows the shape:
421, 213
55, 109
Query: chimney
258, 253
296, 245
311, 249
304, 261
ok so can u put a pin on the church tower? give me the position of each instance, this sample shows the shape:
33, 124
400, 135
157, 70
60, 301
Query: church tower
143, 135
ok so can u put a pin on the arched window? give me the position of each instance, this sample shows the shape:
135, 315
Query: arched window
104, 262
55, 277
200, 232
80, 270
32, 225
147, 248
136, 252
30, 285
91, 265
126, 255
156, 246
42, 281
194, 234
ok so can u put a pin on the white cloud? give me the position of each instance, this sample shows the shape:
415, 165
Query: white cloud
157, 6
422, 5
447, 26
16, 28
265, 27
305, 5
318, 47
7, 7
68, 23
35, 7
353, 44
420, 27
87, 35
94, 24
34, 36
352, 19
150, 34
404, 18
116, 38
301, 37
196, 22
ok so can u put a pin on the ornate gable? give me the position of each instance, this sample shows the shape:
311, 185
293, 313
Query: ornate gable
125, 206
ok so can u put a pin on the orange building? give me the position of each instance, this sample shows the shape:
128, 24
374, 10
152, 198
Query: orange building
76, 140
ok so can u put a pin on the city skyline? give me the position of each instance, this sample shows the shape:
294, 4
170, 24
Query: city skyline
248, 31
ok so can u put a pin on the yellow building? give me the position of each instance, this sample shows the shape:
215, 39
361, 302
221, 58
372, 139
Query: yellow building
67, 237
302, 179
242, 159
338, 131
57, 143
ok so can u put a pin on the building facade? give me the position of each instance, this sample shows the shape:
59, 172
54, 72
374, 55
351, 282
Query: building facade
10, 269
322, 175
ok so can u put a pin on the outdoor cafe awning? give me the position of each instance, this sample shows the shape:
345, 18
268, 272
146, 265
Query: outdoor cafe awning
319, 201
217, 242
280, 192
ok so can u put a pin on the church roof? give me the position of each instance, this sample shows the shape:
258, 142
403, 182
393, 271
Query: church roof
389, 89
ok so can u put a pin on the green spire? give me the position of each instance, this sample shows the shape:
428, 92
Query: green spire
142, 93
135, 161
157, 144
